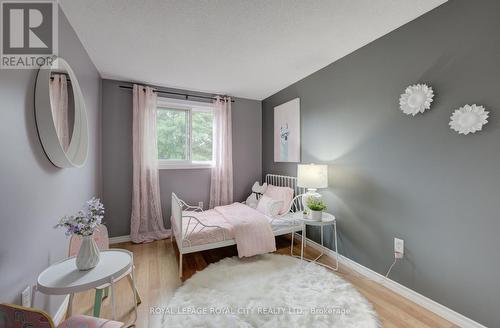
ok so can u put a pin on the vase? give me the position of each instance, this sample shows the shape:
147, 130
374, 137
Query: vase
88, 256
316, 215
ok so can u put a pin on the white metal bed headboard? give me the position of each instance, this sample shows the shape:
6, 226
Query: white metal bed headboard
290, 182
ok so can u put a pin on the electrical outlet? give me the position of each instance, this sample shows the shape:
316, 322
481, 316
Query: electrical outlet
200, 204
399, 248
26, 297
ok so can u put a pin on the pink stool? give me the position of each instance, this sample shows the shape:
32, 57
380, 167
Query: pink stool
14, 316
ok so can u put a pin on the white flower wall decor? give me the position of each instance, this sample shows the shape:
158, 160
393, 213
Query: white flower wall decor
468, 119
416, 99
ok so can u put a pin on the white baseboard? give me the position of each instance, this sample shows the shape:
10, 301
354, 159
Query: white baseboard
433, 306
61, 312
119, 239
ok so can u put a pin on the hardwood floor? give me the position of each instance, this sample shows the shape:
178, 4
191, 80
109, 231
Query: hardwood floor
157, 279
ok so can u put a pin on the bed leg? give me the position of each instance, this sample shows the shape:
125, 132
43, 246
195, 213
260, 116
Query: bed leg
180, 265
291, 247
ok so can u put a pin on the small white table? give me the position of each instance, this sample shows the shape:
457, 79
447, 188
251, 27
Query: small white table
328, 219
64, 278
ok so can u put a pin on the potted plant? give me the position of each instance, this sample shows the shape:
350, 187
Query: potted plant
83, 224
317, 206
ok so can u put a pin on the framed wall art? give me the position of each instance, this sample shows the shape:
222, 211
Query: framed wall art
287, 131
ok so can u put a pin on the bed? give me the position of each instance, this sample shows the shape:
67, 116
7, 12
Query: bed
197, 230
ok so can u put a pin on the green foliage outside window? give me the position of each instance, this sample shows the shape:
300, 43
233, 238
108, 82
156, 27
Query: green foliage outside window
202, 136
171, 127
173, 135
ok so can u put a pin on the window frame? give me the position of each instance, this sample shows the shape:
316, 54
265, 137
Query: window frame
188, 107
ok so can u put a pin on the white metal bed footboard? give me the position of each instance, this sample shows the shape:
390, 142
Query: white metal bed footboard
180, 213
186, 234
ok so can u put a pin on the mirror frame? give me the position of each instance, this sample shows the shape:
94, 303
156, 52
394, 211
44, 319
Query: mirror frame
76, 154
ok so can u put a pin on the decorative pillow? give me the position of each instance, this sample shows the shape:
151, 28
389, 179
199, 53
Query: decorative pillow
257, 188
285, 194
252, 201
269, 206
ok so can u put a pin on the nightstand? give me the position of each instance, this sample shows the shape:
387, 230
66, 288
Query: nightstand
328, 219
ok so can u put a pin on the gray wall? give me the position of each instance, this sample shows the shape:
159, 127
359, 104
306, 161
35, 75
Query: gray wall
412, 177
192, 185
35, 194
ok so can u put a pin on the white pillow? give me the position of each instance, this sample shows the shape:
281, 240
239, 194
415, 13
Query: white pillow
269, 206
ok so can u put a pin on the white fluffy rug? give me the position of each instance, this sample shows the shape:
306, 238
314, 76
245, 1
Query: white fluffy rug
267, 291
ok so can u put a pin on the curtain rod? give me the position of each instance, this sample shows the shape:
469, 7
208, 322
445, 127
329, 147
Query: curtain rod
186, 95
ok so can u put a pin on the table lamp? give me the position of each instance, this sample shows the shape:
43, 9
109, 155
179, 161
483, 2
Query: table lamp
312, 177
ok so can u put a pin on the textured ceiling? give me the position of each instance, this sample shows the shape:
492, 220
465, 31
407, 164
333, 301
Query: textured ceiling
244, 48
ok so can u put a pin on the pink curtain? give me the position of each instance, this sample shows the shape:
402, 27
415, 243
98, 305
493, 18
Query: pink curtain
221, 186
58, 92
146, 222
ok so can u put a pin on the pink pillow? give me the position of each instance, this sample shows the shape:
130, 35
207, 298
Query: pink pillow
283, 194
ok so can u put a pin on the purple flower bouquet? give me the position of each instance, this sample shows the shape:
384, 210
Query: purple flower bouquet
85, 221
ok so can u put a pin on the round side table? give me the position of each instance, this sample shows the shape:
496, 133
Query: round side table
63, 277
328, 219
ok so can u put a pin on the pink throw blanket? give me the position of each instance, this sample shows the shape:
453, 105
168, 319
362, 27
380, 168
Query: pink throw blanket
252, 231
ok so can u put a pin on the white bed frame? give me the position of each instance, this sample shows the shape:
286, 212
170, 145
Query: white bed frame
182, 236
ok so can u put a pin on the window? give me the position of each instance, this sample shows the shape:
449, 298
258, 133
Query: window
185, 134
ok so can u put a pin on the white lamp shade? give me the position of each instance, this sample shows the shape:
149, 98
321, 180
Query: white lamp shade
312, 176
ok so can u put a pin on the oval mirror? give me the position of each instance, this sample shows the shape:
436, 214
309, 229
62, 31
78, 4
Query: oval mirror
61, 117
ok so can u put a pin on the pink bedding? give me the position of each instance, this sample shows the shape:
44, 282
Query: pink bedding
199, 235
249, 228
252, 231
